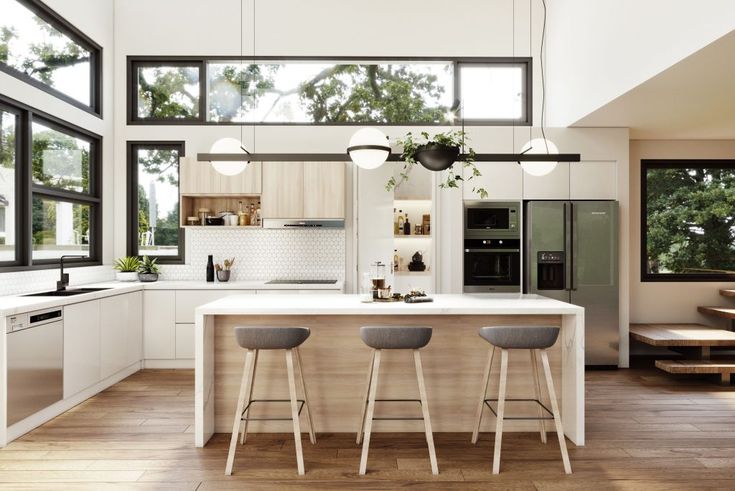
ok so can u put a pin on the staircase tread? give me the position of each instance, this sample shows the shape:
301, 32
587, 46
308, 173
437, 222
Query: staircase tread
668, 334
726, 312
727, 292
696, 366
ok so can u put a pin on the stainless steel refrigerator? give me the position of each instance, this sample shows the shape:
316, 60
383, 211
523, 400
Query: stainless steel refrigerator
571, 254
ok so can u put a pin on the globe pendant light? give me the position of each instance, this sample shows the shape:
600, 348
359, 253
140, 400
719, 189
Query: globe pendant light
539, 146
368, 148
229, 145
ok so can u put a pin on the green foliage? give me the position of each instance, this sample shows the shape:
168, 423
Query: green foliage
127, 264
168, 92
691, 220
455, 139
148, 265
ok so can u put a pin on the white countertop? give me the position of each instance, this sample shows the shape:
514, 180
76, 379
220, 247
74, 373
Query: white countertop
338, 304
16, 304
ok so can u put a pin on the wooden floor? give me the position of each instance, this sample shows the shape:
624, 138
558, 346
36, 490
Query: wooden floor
645, 430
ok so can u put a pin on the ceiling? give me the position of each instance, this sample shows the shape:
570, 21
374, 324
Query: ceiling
693, 99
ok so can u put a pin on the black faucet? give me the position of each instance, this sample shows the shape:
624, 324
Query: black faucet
64, 281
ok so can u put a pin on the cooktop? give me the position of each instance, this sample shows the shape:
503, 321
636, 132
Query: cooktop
301, 282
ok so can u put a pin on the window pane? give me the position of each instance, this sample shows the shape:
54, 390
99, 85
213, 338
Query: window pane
8, 129
492, 92
318, 92
60, 160
59, 227
690, 215
32, 46
168, 92
158, 202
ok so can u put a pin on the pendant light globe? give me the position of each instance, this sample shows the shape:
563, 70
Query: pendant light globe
368, 148
229, 145
539, 146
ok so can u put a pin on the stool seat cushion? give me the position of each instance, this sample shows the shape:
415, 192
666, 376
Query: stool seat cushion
270, 337
520, 337
395, 337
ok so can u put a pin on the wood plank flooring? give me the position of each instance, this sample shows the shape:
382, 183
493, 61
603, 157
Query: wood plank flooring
646, 430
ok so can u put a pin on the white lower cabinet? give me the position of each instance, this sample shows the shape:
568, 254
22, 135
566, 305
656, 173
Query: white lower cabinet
81, 346
135, 328
121, 331
184, 341
159, 325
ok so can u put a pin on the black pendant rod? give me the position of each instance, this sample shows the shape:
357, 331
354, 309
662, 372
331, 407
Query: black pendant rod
393, 157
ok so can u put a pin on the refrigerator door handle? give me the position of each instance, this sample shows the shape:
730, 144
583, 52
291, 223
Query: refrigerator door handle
572, 239
567, 248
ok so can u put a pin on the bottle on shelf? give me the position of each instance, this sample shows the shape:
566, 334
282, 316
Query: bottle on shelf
401, 221
396, 260
257, 215
406, 226
252, 214
395, 222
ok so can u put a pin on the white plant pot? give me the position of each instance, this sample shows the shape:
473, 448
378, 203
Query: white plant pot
127, 276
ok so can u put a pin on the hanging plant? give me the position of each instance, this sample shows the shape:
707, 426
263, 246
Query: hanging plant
438, 153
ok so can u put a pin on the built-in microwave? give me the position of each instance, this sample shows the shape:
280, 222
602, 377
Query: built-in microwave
483, 219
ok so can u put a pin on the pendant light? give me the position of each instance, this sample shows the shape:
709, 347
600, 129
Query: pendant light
539, 145
368, 148
232, 145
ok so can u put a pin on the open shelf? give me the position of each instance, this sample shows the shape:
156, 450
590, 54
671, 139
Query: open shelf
412, 273
190, 205
221, 226
413, 236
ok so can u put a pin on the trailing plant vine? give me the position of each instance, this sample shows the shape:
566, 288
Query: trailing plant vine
449, 139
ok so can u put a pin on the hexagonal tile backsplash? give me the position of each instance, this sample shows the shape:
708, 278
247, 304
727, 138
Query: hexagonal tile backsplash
264, 254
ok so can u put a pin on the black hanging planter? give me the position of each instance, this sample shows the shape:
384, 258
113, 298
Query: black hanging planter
435, 156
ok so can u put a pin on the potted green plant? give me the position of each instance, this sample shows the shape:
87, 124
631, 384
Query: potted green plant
223, 270
438, 153
127, 268
148, 270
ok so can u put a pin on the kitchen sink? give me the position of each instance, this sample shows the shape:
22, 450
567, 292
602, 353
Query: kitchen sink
65, 293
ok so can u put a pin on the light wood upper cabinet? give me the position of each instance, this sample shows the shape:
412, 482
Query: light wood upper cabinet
283, 190
324, 189
201, 178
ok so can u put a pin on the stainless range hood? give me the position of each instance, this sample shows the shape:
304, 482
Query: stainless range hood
303, 223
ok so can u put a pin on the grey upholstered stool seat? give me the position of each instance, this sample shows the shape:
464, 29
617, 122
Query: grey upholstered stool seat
514, 337
254, 339
270, 337
535, 339
395, 337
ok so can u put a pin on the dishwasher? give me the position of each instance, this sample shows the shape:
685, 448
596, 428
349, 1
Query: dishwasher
35, 347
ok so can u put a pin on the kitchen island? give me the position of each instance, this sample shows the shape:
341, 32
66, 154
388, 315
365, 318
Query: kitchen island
335, 361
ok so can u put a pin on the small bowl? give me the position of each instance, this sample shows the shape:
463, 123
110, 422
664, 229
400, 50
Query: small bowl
214, 221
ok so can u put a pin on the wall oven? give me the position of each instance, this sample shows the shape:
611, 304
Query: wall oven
492, 219
492, 265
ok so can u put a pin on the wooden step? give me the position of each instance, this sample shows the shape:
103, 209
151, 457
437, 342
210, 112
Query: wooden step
723, 312
681, 335
722, 367
727, 293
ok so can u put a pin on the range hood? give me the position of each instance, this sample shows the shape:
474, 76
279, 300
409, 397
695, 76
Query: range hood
308, 223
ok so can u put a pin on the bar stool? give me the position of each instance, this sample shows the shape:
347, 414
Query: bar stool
536, 339
393, 338
254, 339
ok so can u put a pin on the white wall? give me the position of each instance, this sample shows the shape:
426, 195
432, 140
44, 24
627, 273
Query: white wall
597, 50
667, 301
95, 19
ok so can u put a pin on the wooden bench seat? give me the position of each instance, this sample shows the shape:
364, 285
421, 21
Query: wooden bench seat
681, 335
723, 367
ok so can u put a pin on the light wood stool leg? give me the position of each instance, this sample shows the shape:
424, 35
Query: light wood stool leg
425, 411
238, 412
295, 412
251, 383
537, 386
481, 404
312, 433
365, 399
370, 412
501, 409
555, 411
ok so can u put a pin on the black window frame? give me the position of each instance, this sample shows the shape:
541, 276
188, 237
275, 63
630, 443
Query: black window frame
647, 164
95, 62
26, 190
132, 198
133, 62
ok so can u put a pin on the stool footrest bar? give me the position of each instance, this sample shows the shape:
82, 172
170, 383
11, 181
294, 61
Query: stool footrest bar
247, 408
530, 418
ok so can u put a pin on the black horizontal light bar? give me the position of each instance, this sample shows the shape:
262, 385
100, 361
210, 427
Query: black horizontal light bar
394, 157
